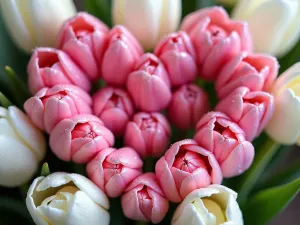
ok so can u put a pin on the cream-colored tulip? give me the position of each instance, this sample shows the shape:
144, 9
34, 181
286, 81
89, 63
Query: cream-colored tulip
67, 199
274, 24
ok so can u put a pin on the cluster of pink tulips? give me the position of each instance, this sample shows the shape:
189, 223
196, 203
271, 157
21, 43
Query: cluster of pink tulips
138, 87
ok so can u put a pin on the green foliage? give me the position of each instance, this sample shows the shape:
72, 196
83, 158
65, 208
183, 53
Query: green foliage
100, 9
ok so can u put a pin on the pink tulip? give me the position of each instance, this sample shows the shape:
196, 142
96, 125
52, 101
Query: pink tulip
112, 170
250, 110
114, 107
226, 140
80, 138
189, 103
186, 167
149, 85
50, 105
83, 37
255, 71
48, 67
148, 134
179, 57
216, 38
120, 57
144, 200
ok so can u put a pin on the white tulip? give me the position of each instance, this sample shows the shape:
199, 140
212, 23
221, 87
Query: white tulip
67, 199
148, 20
214, 205
284, 127
274, 24
22, 147
33, 23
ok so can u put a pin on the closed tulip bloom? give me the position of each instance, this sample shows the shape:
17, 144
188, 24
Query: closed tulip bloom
178, 55
65, 199
144, 200
149, 85
148, 133
284, 127
271, 34
189, 103
112, 170
186, 167
49, 67
80, 138
22, 147
216, 38
215, 204
121, 54
51, 105
255, 71
250, 110
114, 107
83, 37
226, 140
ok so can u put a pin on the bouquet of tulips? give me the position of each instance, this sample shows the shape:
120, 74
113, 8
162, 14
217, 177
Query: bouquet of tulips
148, 111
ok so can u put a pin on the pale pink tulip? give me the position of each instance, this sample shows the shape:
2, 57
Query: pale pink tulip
48, 67
149, 85
186, 167
114, 107
120, 56
226, 140
148, 134
51, 105
144, 200
84, 38
80, 138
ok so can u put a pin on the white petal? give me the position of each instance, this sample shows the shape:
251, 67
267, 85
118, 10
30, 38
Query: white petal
52, 215
7, 130
286, 77
233, 212
187, 215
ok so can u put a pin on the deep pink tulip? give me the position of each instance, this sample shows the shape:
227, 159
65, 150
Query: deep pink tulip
144, 200
255, 71
216, 38
114, 107
51, 105
178, 55
189, 103
226, 140
84, 38
148, 133
149, 85
120, 57
80, 138
186, 167
48, 67
250, 110
112, 170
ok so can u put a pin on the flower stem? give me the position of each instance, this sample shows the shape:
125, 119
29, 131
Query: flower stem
141, 223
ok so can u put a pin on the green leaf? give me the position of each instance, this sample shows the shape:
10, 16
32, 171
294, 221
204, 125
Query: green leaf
118, 217
263, 206
4, 101
290, 59
100, 9
205, 3
45, 170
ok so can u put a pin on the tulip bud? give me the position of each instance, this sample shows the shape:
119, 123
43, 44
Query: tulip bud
189, 103
80, 138
120, 56
148, 134
186, 167
51, 105
83, 37
250, 110
62, 198
112, 170
178, 55
144, 200
273, 24
49, 67
114, 107
226, 140
215, 204
284, 126
216, 39
22, 147
149, 85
